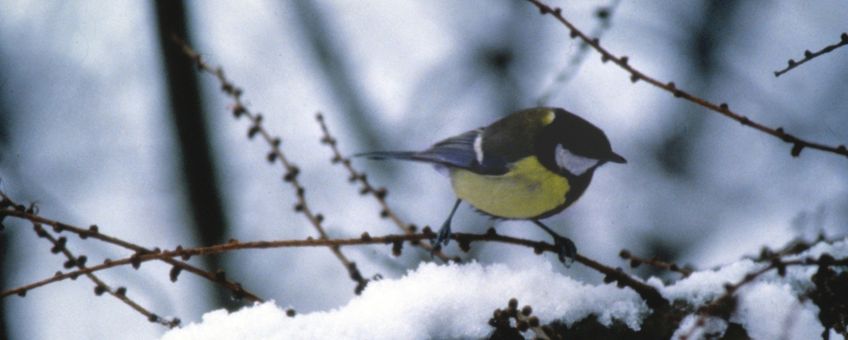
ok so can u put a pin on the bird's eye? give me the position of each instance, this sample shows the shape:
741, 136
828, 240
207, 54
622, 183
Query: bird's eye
572, 163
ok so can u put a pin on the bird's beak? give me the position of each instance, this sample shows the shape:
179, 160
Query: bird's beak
616, 158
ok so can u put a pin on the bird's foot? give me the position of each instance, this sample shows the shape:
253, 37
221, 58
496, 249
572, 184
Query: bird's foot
566, 250
442, 238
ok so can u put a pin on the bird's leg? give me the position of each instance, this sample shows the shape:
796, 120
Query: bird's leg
443, 237
566, 250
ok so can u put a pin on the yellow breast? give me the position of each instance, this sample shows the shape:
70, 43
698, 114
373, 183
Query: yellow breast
526, 191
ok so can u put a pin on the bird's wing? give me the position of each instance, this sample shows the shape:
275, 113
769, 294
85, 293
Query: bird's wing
456, 152
461, 152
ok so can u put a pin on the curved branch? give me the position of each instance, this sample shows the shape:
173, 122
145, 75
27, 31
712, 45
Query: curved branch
95, 233
604, 15
239, 109
798, 144
100, 287
649, 293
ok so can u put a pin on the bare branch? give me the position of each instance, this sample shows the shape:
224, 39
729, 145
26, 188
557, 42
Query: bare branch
100, 287
649, 293
94, 232
291, 171
797, 143
635, 261
791, 64
604, 15
378, 193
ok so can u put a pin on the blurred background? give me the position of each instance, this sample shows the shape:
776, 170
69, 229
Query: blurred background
102, 123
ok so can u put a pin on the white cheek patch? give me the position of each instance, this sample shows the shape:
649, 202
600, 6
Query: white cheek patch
478, 147
573, 163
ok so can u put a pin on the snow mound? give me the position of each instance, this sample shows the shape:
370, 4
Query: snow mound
457, 300
434, 301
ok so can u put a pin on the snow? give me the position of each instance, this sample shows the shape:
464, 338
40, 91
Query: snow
457, 300
703, 286
769, 307
712, 325
434, 301
772, 311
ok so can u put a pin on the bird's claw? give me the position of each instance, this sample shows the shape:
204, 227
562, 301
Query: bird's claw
566, 250
442, 238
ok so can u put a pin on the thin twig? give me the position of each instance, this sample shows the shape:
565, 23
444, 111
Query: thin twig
95, 233
378, 193
604, 15
635, 261
100, 286
794, 247
791, 64
239, 109
649, 293
797, 143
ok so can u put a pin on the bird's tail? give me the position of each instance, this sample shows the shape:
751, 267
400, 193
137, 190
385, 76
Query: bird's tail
380, 155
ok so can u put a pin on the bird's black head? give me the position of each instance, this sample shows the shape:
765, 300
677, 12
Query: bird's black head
572, 145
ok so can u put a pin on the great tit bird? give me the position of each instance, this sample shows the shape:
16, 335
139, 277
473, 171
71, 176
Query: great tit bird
529, 165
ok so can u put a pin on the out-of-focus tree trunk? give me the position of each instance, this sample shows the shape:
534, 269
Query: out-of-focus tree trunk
195, 152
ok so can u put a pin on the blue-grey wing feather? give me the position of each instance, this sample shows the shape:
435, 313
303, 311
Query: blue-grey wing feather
455, 152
